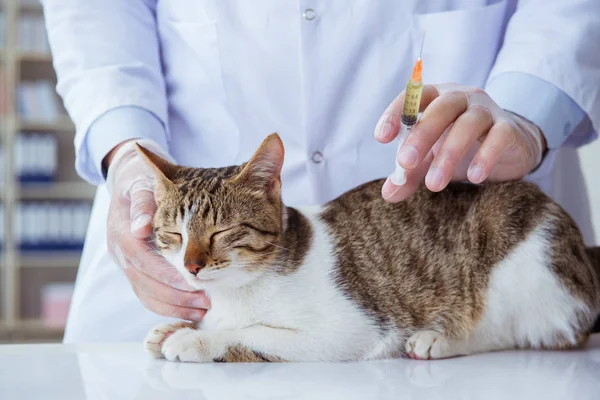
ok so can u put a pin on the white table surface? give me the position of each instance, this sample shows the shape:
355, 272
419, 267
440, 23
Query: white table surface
125, 371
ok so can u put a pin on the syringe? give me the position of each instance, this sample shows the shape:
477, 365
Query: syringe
410, 113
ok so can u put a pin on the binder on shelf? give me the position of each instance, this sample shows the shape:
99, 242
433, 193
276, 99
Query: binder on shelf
37, 100
47, 226
31, 34
36, 157
56, 299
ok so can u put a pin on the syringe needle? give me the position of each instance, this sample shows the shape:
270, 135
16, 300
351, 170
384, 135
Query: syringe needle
422, 42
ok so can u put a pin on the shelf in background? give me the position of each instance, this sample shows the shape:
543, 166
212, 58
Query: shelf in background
63, 125
50, 259
34, 56
31, 6
57, 191
29, 325
29, 56
26, 59
28, 331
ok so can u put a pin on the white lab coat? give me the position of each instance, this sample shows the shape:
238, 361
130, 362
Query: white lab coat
237, 70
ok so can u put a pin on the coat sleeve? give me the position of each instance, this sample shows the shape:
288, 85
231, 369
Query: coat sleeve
550, 48
106, 56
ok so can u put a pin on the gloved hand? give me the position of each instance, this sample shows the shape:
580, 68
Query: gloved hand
156, 283
462, 134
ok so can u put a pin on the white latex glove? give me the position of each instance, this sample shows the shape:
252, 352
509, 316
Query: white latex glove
157, 284
462, 135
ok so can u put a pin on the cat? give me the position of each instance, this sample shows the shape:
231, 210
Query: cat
471, 269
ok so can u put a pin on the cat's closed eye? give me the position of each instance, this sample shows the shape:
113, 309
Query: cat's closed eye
241, 237
168, 240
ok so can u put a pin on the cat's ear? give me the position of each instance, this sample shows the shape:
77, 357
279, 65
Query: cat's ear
263, 171
165, 171
162, 167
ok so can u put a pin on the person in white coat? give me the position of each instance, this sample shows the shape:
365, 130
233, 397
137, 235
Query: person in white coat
204, 82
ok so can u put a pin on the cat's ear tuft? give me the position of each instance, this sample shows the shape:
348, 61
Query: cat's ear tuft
161, 166
263, 171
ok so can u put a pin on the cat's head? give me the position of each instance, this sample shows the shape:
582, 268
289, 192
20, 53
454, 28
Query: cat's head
220, 226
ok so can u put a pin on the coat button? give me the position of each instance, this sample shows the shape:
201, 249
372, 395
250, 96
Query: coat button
309, 14
317, 157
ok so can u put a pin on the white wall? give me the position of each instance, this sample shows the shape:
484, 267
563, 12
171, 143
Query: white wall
590, 162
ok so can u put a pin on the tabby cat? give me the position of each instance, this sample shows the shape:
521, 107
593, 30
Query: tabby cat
474, 268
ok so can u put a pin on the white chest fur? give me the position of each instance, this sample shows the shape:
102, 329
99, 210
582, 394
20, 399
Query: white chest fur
227, 312
307, 300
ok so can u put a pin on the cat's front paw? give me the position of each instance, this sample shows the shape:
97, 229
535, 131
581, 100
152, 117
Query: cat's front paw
428, 345
157, 337
191, 345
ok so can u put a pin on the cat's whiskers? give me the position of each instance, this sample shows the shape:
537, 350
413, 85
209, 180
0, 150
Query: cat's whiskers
278, 246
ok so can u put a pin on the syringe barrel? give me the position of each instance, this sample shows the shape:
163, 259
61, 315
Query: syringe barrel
398, 177
412, 102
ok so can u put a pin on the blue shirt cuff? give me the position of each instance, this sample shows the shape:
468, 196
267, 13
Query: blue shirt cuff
561, 120
118, 125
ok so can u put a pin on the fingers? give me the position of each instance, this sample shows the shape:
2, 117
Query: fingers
454, 121
393, 194
158, 285
500, 138
143, 257
436, 118
475, 122
142, 208
125, 248
146, 286
388, 125
169, 310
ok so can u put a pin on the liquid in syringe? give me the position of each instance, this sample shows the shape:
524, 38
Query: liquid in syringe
410, 114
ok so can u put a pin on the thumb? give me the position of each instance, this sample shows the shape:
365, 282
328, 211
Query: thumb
142, 208
414, 177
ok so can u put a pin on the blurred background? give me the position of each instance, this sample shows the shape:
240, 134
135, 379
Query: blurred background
44, 205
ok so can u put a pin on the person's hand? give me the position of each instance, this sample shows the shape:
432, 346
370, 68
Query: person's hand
156, 283
462, 135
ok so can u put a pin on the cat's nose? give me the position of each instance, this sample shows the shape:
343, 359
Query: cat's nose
195, 266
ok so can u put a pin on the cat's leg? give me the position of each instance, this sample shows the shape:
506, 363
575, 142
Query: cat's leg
542, 325
432, 345
530, 302
257, 343
157, 336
